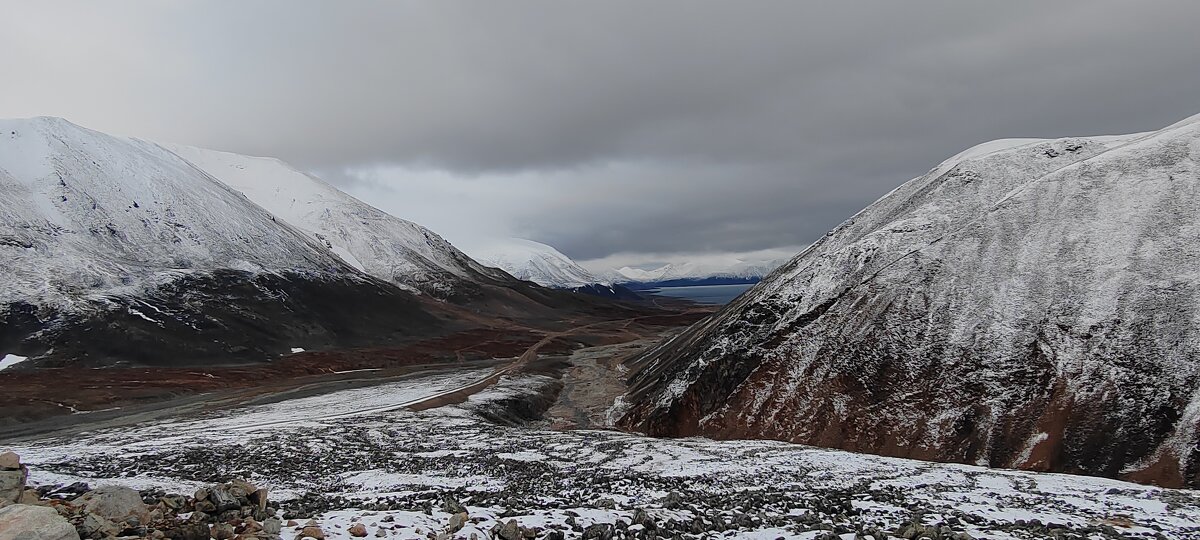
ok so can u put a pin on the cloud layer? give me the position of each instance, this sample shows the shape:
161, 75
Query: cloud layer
606, 127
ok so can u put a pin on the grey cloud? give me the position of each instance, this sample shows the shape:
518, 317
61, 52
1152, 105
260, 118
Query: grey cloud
735, 126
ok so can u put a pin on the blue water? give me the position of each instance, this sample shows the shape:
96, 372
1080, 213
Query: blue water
704, 294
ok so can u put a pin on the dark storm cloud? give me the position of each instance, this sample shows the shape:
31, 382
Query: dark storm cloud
732, 126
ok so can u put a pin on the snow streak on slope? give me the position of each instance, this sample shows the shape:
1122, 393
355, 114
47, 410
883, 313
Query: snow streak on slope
84, 213
374, 241
536, 262
1028, 303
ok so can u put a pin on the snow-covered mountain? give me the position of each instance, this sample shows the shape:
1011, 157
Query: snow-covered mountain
691, 270
536, 262
115, 250
118, 251
1027, 303
369, 239
83, 214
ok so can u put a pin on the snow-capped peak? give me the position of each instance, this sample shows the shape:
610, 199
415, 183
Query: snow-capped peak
727, 268
536, 262
370, 239
82, 212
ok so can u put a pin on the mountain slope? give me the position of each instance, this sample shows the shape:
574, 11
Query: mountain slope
1031, 304
117, 251
536, 262
373, 241
84, 212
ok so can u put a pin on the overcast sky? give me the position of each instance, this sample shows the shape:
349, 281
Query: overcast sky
618, 131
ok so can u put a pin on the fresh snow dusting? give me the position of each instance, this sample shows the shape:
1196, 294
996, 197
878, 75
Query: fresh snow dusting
536, 262
363, 236
10, 360
359, 456
84, 214
1043, 293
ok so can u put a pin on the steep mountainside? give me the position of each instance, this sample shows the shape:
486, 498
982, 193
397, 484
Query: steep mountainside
1031, 304
371, 240
86, 213
536, 262
115, 250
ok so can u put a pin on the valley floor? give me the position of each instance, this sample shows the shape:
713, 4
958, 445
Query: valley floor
364, 455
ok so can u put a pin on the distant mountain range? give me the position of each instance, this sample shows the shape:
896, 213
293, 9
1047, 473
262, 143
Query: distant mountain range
548, 267
536, 262
545, 265
693, 273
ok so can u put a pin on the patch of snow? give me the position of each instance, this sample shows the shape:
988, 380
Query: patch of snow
522, 456
395, 454
10, 360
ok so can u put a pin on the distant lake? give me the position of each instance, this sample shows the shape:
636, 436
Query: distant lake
704, 294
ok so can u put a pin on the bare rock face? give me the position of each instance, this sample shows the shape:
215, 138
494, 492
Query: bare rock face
25, 522
115, 503
13, 476
1029, 304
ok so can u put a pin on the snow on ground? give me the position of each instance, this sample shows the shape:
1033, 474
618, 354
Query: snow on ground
10, 360
357, 455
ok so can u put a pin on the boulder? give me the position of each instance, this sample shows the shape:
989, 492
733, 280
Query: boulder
26, 522
227, 497
29, 496
272, 525
358, 530
10, 461
222, 531
313, 531
115, 503
12, 484
451, 506
510, 530
259, 497
95, 526
190, 531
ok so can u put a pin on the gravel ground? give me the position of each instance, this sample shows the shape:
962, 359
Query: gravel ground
392, 471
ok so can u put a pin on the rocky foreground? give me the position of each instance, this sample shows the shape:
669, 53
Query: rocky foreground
357, 464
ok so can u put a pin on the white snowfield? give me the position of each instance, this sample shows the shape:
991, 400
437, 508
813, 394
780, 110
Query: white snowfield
367, 238
536, 262
355, 444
